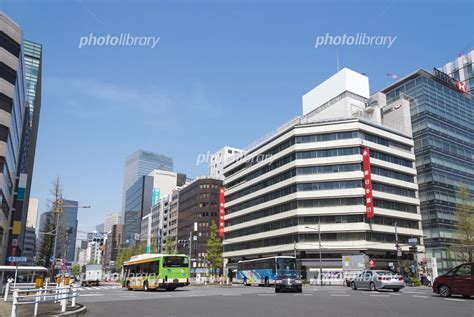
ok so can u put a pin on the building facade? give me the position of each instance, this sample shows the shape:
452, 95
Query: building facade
462, 70
311, 182
443, 130
198, 207
12, 117
141, 163
32, 55
220, 159
114, 243
173, 219
114, 218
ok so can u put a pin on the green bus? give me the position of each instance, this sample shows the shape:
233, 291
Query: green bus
156, 271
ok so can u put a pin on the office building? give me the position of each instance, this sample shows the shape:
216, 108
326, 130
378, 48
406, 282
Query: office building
100, 227
220, 159
198, 204
112, 219
13, 116
114, 243
29, 245
173, 219
32, 55
138, 202
462, 70
66, 246
307, 178
443, 130
141, 163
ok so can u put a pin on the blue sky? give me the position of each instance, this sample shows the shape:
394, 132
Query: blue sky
223, 73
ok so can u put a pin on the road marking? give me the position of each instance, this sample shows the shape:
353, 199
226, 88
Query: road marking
302, 294
266, 294
419, 296
231, 294
455, 299
396, 294
379, 295
340, 295
91, 295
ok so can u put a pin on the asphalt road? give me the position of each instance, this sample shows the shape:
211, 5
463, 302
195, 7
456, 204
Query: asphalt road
261, 302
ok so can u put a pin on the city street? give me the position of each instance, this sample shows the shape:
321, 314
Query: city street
260, 301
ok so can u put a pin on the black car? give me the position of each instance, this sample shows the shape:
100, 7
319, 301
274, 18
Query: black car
288, 281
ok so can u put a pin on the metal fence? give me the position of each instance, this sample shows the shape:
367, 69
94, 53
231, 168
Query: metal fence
27, 294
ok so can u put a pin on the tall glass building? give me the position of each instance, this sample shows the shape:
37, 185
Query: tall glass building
12, 116
443, 131
32, 56
141, 163
138, 200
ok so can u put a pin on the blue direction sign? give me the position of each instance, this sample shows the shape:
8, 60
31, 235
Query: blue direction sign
17, 259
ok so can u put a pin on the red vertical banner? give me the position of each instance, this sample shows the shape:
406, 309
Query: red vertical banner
221, 212
369, 201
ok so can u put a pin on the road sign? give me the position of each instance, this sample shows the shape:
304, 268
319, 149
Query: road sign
372, 264
413, 241
51, 259
17, 259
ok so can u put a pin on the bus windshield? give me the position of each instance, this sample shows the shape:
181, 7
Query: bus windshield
286, 264
175, 261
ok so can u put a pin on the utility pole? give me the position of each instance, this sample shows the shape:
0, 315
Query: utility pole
294, 248
320, 255
398, 249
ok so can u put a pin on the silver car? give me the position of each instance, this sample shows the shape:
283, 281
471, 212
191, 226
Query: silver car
378, 279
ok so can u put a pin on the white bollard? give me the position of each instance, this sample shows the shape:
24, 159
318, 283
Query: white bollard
15, 301
7, 289
73, 301
37, 299
63, 300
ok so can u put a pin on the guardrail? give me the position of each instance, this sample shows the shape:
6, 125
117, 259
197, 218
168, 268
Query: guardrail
10, 286
58, 294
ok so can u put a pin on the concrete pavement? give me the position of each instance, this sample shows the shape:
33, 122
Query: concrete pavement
261, 301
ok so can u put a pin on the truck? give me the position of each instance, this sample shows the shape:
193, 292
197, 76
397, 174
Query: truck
91, 274
353, 265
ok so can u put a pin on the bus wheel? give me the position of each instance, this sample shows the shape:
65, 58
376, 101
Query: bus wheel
245, 282
267, 282
145, 287
170, 289
128, 286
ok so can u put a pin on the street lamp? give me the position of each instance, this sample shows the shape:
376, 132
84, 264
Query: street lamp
320, 255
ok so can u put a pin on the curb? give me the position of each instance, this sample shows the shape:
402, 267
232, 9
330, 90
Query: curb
81, 310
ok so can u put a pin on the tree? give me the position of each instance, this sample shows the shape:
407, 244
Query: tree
126, 253
463, 248
169, 246
76, 270
48, 228
214, 248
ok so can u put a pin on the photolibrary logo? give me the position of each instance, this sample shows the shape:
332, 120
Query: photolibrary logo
123, 39
359, 39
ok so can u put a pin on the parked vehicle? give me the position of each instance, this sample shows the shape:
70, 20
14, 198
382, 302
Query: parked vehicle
288, 280
91, 274
457, 281
353, 265
378, 279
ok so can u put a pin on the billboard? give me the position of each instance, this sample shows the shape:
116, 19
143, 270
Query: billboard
155, 198
221, 212
369, 202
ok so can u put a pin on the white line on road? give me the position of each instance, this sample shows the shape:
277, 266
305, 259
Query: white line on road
455, 299
302, 294
379, 295
231, 294
419, 296
91, 295
266, 294
339, 295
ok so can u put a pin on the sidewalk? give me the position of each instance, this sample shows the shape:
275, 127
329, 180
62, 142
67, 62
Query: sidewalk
44, 309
